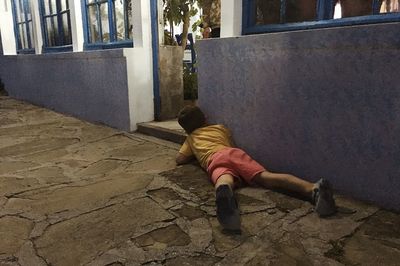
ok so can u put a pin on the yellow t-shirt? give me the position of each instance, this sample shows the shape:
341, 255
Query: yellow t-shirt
205, 141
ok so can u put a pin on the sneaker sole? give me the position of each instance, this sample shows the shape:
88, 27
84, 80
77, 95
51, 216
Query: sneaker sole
224, 199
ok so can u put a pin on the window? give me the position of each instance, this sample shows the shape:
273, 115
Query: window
283, 15
23, 26
56, 25
108, 23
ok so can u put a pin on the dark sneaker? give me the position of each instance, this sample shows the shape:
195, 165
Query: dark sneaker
323, 198
227, 208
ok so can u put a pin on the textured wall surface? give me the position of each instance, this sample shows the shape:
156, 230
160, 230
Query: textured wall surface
88, 85
314, 103
171, 81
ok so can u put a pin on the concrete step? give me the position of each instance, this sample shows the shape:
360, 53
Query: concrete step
168, 130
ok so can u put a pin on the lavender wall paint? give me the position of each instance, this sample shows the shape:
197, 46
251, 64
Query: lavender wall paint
89, 85
314, 103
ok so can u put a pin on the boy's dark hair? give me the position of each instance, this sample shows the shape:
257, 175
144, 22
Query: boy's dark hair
191, 118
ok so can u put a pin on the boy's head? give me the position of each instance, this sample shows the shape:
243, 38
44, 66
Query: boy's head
191, 118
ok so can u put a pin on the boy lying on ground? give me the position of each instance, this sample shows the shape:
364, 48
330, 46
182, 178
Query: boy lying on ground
228, 167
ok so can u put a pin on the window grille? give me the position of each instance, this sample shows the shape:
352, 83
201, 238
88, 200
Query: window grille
23, 26
283, 15
108, 23
56, 25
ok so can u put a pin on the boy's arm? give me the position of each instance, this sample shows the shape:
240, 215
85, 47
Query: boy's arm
185, 154
182, 159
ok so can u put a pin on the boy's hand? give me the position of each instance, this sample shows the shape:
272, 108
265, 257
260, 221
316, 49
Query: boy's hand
182, 159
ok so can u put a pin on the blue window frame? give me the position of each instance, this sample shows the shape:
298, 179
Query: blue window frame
107, 23
260, 16
56, 25
23, 26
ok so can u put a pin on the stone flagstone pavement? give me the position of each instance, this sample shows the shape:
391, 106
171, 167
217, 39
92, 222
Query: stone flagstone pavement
75, 193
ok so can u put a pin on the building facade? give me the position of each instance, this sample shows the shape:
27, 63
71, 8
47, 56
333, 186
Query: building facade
91, 59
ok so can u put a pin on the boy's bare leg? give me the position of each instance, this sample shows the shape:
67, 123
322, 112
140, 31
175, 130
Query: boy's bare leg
225, 179
284, 181
320, 193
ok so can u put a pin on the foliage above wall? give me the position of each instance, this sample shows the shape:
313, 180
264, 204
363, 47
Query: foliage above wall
177, 12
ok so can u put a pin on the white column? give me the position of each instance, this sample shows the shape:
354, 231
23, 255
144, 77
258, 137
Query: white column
75, 8
37, 29
140, 66
141, 20
231, 18
7, 28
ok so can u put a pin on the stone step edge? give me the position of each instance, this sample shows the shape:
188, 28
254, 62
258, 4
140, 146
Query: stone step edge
161, 133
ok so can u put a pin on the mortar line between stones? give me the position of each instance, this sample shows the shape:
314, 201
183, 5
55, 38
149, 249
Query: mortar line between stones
37, 253
14, 195
343, 240
301, 216
80, 214
47, 150
18, 215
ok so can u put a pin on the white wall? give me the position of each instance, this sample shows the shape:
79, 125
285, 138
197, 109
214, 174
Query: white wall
231, 18
140, 66
76, 25
7, 28
37, 38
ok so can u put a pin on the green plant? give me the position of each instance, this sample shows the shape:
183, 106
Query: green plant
179, 11
189, 84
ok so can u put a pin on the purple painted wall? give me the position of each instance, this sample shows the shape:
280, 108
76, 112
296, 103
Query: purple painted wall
318, 103
89, 85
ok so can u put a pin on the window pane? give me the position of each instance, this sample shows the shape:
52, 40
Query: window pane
93, 27
104, 22
21, 36
30, 27
390, 6
28, 14
20, 11
66, 29
19, 44
354, 8
52, 7
99, 24
23, 19
268, 12
17, 10
129, 18
52, 31
25, 33
46, 4
119, 19
301, 10
64, 5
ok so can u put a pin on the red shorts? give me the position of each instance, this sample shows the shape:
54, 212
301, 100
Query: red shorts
233, 161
